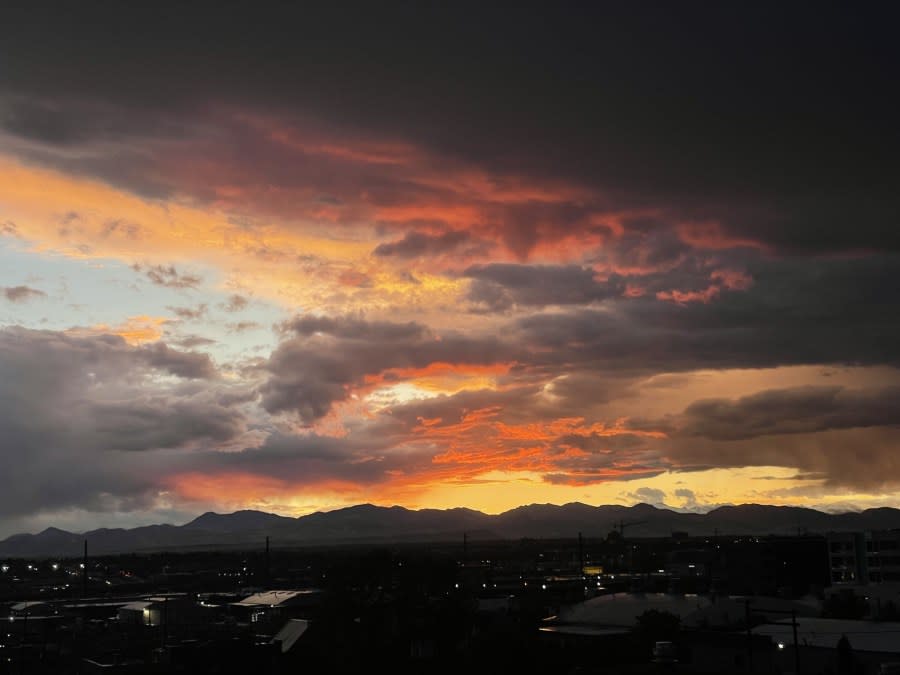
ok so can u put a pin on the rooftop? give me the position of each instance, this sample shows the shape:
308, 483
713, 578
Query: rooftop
275, 598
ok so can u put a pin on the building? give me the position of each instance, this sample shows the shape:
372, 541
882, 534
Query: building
170, 610
290, 633
883, 556
277, 606
870, 557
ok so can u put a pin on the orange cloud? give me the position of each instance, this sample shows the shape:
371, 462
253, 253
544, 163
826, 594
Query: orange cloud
732, 279
684, 297
712, 235
136, 330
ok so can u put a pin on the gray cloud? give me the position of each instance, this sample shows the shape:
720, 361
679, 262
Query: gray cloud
190, 313
645, 131
769, 173
689, 499
305, 460
22, 293
236, 303
327, 356
649, 495
784, 318
168, 276
791, 411
242, 326
193, 341
859, 458
148, 423
92, 422
845, 437
183, 364
500, 286
416, 244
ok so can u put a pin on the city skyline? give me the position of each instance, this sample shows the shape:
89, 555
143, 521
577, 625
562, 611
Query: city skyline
301, 259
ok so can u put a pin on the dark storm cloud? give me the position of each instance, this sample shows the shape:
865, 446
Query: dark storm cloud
861, 458
415, 244
21, 293
328, 356
845, 437
834, 311
153, 423
758, 143
311, 458
115, 141
77, 120
784, 318
183, 364
70, 406
777, 122
791, 411
499, 286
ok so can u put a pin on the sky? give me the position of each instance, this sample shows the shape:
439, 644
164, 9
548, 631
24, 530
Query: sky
298, 257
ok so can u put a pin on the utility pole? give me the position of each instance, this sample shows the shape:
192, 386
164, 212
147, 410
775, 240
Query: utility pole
165, 620
796, 643
24, 650
749, 637
267, 563
465, 547
794, 625
84, 572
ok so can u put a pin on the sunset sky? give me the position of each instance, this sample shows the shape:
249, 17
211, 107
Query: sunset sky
302, 258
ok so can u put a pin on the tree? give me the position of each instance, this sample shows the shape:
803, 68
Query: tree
845, 660
655, 626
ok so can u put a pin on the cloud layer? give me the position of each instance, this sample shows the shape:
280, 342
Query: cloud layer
597, 253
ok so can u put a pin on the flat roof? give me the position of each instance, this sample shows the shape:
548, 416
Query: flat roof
274, 598
581, 629
137, 605
28, 604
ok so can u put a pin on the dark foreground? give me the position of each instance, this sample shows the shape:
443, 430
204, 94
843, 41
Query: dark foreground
491, 607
